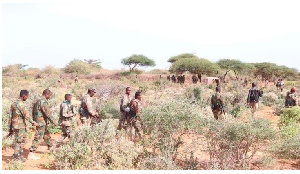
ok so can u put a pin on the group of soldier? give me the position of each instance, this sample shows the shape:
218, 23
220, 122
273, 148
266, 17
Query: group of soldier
130, 110
180, 79
254, 94
42, 117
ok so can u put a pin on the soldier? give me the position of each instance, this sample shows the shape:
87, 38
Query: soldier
217, 104
42, 115
183, 79
178, 79
169, 78
290, 99
173, 79
124, 107
86, 108
280, 84
66, 114
253, 97
17, 124
134, 114
194, 79
76, 79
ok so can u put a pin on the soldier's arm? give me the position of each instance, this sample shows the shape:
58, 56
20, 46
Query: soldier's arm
47, 112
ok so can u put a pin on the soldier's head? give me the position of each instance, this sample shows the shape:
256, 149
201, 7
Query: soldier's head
128, 90
91, 92
138, 95
254, 84
47, 93
68, 97
24, 94
293, 90
218, 89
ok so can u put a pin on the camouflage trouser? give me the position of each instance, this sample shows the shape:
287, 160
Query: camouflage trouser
19, 141
41, 133
217, 114
66, 132
121, 120
95, 120
137, 125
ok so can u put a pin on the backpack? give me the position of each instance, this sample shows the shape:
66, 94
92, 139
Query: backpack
254, 95
216, 105
288, 100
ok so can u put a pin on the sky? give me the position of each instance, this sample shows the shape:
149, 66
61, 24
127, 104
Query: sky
41, 34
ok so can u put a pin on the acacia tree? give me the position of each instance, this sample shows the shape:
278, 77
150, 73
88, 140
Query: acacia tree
94, 62
182, 56
195, 66
78, 67
137, 60
265, 70
237, 66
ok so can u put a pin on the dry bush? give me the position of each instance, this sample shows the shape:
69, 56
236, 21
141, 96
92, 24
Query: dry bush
232, 144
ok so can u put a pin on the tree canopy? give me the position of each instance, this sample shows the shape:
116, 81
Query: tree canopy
194, 65
268, 70
137, 60
77, 66
94, 62
182, 56
237, 66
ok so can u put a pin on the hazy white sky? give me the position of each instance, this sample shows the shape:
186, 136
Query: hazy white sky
40, 34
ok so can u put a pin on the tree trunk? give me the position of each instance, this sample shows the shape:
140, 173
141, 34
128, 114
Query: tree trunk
225, 76
200, 77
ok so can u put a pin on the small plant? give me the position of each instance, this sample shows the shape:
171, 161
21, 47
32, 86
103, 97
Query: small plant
290, 115
15, 165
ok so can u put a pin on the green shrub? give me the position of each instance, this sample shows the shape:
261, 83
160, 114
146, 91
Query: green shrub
269, 99
290, 115
232, 144
15, 165
73, 156
78, 67
287, 148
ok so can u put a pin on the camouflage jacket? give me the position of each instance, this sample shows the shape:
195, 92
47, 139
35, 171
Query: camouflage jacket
42, 113
125, 101
86, 107
66, 113
19, 113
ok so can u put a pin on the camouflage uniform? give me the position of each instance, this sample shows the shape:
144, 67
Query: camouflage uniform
42, 115
65, 119
125, 101
217, 102
87, 112
135, 120
19, 113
